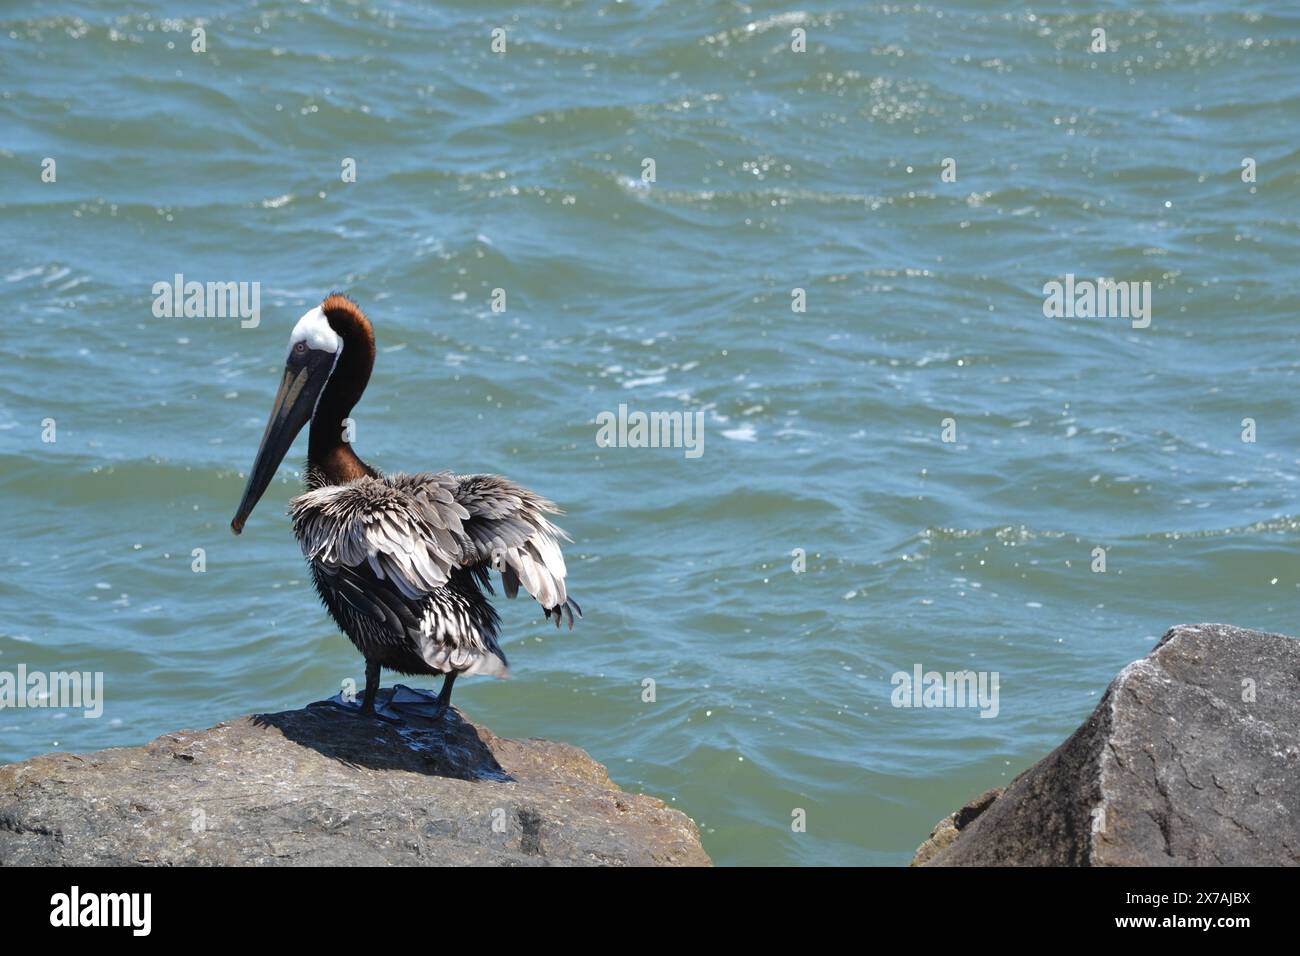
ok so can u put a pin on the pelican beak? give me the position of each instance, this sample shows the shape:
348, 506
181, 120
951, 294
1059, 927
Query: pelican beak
304, 376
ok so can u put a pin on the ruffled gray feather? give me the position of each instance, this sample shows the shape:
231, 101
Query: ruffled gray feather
414, 530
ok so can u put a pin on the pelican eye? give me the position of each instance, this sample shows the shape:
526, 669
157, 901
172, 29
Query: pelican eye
300, 347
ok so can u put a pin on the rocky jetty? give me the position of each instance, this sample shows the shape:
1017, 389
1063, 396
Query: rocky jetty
1192, 758
323, 787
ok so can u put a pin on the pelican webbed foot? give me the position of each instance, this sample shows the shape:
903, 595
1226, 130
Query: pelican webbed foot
411, 702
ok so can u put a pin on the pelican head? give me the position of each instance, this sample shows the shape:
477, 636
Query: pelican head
314, 350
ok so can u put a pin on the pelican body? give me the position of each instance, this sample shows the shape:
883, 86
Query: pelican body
402, 562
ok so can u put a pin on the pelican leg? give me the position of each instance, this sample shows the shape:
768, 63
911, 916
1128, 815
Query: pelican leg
367, 706
444, 695
372, 687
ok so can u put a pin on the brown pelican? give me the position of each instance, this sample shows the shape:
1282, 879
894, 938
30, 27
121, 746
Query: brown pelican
400, 561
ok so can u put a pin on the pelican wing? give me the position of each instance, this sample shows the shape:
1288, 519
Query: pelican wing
407, 529
416, 530
507, 529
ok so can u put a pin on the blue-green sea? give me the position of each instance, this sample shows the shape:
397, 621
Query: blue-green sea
836, 255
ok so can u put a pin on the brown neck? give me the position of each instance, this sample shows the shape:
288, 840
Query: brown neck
329, 456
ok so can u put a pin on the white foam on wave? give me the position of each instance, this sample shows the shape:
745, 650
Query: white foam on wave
648, 380
743, 433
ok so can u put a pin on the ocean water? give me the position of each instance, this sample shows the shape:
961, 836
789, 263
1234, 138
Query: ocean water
828, 536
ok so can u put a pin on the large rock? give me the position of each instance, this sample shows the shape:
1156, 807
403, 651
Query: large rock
1192, 758
323, 787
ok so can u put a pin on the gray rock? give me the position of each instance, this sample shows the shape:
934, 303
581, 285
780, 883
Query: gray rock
323, 787
1192, 758
945, 832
